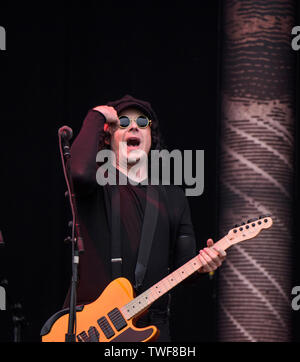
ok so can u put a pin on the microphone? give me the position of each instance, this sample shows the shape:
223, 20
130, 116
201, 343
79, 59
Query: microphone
65, 133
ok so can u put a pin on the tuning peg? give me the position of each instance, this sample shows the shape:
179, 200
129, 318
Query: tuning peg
251, 220
236, 225
263, 216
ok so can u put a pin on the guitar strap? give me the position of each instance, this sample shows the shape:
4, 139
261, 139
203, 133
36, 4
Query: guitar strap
116, 252
148, 230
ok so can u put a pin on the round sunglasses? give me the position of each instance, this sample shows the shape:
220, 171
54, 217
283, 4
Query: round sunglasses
141, 121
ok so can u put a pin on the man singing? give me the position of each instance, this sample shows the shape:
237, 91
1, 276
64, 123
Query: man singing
133, 229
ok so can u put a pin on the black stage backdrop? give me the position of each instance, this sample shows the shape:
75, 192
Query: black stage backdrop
61, 61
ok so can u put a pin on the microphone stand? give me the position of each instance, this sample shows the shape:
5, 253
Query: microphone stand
76, 239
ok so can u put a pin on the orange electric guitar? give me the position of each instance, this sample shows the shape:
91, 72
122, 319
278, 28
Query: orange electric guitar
111, 318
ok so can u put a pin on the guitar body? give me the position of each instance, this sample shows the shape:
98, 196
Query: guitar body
101, 321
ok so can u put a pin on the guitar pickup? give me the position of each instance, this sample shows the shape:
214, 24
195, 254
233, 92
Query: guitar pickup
105, 327
117, 319
91, 336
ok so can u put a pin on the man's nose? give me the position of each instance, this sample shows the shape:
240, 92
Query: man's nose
133, 127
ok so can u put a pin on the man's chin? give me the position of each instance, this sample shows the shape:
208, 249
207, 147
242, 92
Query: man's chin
134, 156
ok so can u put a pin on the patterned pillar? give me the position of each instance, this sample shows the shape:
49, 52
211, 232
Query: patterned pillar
257, 170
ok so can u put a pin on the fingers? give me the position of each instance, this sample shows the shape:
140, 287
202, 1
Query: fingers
222, 253
211, 257
204, 268
210, 242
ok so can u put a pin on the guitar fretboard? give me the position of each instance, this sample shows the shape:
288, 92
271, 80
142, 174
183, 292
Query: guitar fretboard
145, 299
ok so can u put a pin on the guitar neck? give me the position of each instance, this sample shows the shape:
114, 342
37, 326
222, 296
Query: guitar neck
144, 300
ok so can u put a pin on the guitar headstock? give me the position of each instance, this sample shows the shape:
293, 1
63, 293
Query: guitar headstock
250, 230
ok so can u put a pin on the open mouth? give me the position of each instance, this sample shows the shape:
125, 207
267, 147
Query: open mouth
133, 142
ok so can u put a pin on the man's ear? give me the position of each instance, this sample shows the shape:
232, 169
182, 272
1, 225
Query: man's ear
107, 134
